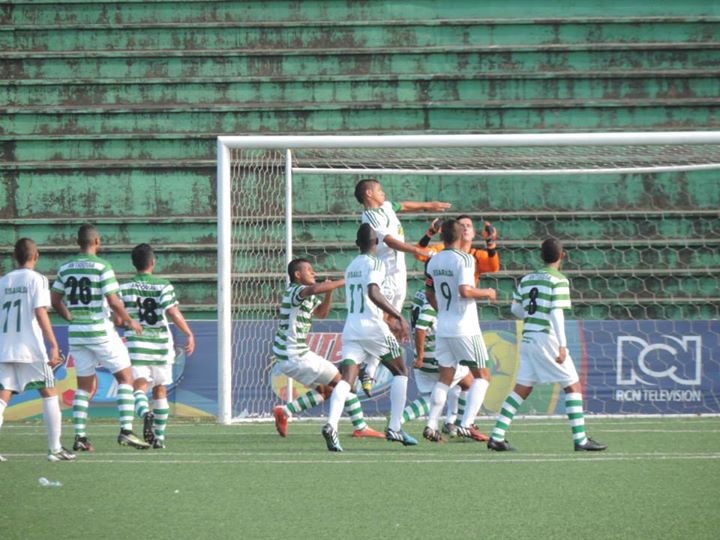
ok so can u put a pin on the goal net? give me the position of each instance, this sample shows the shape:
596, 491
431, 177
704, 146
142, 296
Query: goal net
637, 213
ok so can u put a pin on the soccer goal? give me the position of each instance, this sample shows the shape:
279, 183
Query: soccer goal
637, 212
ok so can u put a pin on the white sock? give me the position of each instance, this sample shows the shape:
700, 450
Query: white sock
475, 398
453, 397
2, 411
337, 403
437, 401
398, 394
52, 418
371, 366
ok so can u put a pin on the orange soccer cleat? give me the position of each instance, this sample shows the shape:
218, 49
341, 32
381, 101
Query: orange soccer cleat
367, 432
281, 420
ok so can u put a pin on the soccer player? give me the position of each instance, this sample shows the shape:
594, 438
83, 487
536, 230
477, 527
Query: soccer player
366, 335
381, 215
152, 301
486, 261
451, 289
24, 363
83, 294
299, 305
426, 371
539, 301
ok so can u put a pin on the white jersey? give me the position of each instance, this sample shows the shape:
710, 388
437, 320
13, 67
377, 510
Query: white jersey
364, 318
384, 221
21, 340
457, 316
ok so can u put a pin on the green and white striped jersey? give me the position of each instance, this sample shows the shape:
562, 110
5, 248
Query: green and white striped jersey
424, 318
146, 300
295, 322
85, 281
539, 293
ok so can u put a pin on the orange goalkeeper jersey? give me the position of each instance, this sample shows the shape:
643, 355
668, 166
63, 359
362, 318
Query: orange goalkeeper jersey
484, 264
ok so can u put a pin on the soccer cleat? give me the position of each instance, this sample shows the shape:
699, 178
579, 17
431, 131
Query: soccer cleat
499, 446
450, 429
366, 381
158, 443
61, 455
432, 435
471, 432
590, 446
128, 438
368, 433
281, 420
331, 438
82, 444
148, 433
400, 436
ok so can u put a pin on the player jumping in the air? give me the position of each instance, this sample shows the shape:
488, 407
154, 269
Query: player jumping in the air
82, 293
300, 304
451, 290
24, 363
366, 335
152, 354
381, 215
539, 301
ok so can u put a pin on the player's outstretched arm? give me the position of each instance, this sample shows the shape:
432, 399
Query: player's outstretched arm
44, 322
430, 206
322, 287
399, 245
119, 309
176, 316
56, 300
467, 291
380, 301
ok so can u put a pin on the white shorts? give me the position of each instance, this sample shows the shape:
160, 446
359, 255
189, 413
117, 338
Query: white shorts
155, 375
112, 355
19, 376
425, 382
309, 369
360, 351
538, 352
467, 351
394, 289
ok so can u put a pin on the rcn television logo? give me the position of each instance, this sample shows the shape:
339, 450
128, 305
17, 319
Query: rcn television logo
639, 361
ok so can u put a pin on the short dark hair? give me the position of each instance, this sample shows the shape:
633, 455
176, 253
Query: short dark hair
294, 266
25, 249
551, 250
463, 216
450, 231
364, 233
142, 256
86, 235
361, 187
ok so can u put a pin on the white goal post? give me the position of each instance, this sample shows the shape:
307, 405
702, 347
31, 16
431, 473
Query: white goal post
425, 155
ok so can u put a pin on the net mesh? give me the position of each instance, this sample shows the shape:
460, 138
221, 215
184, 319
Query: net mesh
641, 245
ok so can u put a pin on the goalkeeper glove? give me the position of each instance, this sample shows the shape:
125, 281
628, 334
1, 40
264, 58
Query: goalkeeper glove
489, 234
434, 227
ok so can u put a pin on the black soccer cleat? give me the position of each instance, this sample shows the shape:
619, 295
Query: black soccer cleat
499, 446
148, 433
331, 438
590, 446
432, 435
128, 438
82, 444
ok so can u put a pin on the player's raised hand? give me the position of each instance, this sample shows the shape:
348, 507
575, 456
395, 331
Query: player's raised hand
438, 206
434, 227
489, 234
562, 355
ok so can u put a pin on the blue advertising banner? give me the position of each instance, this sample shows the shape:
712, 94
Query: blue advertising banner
625, 367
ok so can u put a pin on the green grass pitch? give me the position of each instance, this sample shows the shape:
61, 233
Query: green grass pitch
659, 479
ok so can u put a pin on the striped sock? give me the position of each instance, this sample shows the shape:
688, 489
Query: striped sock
125, 405
81, 402
142, 406
574, 411
354, 410
161, 410
462, 400
306, 401
508, 410
416, 409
